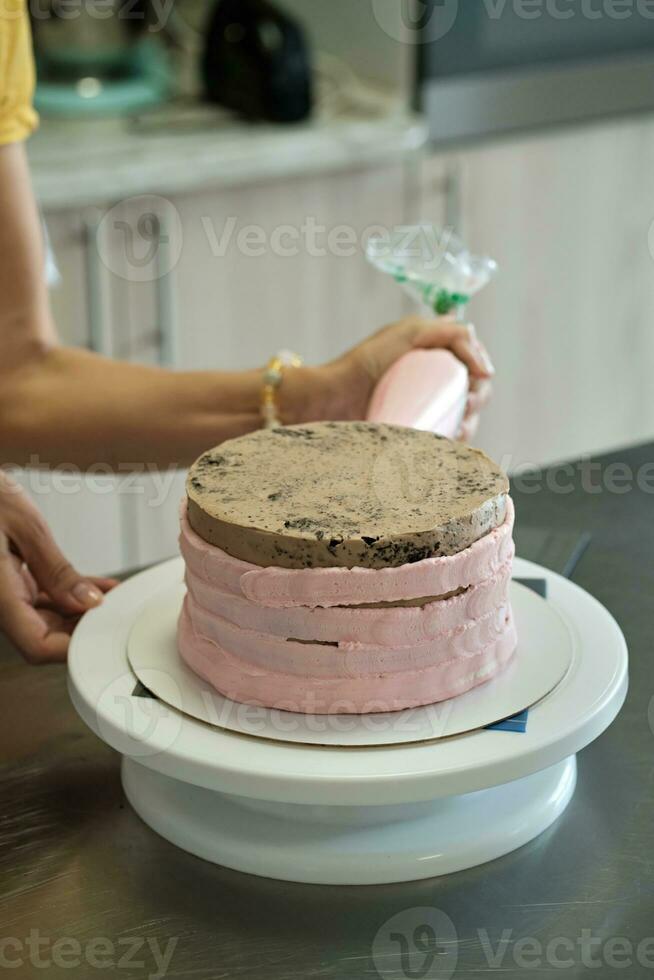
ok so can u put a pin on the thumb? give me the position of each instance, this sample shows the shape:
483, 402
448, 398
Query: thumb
51, 570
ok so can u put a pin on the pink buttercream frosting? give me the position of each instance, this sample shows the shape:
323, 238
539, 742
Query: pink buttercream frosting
385, 626
288, 656
311, 587
241, 680
300, 639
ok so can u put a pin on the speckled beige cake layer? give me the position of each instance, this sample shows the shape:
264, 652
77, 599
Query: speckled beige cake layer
343, 494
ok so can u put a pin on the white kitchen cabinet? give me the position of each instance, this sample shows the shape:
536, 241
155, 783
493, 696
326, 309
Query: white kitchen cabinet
281, 265
570, 318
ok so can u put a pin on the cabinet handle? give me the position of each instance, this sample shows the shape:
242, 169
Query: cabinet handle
453, 198
99, 336
165, 298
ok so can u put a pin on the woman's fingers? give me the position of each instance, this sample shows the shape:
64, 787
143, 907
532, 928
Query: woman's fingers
478, 396
468, 428
41, 637
462, 340
41, 595
103, 583
43, 601
31, 587
53, 574
480, 392
482, 352
472, 352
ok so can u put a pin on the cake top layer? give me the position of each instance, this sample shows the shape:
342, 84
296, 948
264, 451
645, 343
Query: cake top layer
343, 494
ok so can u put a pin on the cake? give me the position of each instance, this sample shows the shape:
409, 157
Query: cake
346, 567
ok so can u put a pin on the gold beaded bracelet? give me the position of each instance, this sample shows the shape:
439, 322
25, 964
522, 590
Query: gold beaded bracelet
272, 378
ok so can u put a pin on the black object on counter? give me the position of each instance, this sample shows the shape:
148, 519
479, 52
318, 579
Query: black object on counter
256, 61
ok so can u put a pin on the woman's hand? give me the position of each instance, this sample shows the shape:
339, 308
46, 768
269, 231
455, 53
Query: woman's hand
41, 595
357, 372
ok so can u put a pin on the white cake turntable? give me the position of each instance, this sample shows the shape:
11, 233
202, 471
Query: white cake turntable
345, 802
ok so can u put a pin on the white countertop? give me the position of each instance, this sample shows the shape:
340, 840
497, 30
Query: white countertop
81, 162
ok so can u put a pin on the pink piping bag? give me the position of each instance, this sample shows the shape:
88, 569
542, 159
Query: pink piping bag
427, 389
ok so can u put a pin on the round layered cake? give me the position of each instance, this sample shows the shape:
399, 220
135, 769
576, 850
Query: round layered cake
346, 567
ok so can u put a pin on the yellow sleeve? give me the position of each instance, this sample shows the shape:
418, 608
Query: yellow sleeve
17, 116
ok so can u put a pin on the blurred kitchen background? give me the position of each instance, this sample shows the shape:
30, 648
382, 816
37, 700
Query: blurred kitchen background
170, 128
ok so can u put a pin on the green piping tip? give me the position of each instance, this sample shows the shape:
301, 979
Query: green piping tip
445, 301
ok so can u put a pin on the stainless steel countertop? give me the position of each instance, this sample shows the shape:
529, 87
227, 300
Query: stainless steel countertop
85, 882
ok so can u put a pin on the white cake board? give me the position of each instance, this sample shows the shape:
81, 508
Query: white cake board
543, 656
338, 814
